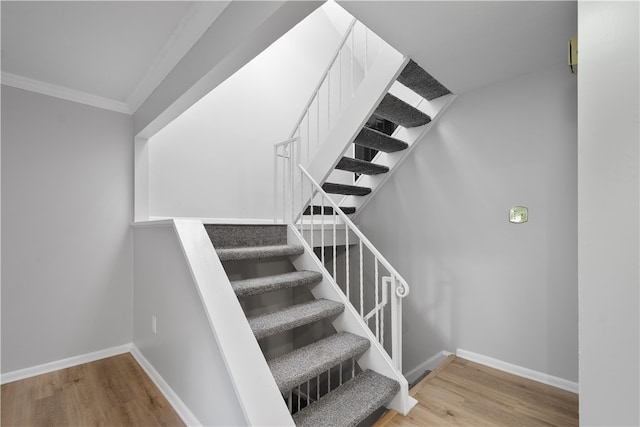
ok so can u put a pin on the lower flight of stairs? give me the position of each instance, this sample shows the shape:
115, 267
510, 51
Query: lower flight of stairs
320, 381
398, 113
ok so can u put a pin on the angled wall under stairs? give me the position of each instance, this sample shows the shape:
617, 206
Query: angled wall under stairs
322, 381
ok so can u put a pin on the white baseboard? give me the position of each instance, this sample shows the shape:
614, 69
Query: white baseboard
519, 370
63, 364
178, 405
428, 365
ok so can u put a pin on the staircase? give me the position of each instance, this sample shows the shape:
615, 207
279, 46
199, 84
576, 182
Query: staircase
399, 113
321, 381
322, 302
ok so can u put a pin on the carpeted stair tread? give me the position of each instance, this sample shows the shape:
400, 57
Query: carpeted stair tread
275, 282
361, 166
291, 317
299, 366
328, 210
372, 138
258, 252
239, 235
349, 190
417, 79
351, 403
399, 112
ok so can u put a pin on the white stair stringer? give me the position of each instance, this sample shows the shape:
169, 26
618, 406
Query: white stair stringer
376, 358
253, 383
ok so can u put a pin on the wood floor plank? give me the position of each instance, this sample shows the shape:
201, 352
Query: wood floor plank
108, 392
464, 393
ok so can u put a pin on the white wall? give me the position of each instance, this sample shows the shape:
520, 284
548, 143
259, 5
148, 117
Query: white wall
241, 31
609, 211
216, 159
67, 199
478, 282
184, 350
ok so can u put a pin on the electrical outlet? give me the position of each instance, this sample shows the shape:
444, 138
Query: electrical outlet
153, 324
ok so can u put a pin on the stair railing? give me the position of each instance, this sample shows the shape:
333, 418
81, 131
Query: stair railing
367, 279
357, 51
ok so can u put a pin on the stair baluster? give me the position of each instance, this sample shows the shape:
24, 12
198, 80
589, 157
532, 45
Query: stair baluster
373, 272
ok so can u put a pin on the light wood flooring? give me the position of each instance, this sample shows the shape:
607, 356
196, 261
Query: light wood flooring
463, 393
117, 392
109, 392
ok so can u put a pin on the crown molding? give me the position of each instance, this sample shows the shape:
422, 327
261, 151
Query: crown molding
62, 92
191, 27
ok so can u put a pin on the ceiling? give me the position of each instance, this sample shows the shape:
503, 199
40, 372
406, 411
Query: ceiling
470, 44
116, 50
115, 53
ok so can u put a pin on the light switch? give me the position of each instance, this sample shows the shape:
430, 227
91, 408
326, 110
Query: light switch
518, 214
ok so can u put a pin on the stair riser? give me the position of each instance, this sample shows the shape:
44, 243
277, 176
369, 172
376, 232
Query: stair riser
257, 253
246, 288
272, 328
228, 236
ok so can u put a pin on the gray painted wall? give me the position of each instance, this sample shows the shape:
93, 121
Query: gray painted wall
478, 282
184, 350
609, 207
67, 199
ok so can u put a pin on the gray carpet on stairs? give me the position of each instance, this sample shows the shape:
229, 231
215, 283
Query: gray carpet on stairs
261, 285
361, 166
349, 190
258, 252
372, 138
350, 403
226, 235
397, 111
417, 79
299, 366
291, 317
328, 210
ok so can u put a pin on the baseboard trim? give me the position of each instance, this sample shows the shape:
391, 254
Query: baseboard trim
178, 405
519, 370
63, 363
428, 365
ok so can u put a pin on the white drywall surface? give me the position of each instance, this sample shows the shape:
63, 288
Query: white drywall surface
609, 212
67, 259
479, 282
216, 159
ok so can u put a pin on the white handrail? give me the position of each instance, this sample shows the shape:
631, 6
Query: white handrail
403, 290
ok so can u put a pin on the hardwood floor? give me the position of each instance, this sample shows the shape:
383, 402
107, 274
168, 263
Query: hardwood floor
463, 393
109, 392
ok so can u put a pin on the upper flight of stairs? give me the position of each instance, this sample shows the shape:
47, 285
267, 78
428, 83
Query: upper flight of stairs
399, 113
320, 381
